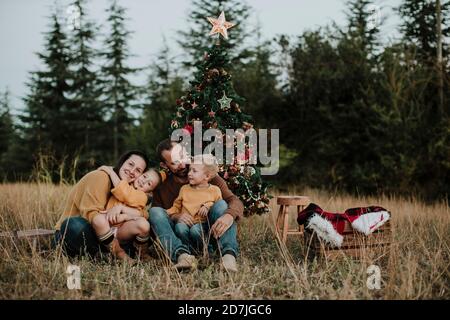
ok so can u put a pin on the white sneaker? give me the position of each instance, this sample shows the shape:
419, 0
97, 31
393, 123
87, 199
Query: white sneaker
229, 263
186, 262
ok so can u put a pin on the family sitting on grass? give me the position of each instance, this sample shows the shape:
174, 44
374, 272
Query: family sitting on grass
192, 210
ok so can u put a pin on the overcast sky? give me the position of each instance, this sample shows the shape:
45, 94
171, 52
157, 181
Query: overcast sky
23, 22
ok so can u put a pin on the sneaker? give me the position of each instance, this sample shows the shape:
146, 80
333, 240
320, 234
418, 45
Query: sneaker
186, 262
117, 252
229, 263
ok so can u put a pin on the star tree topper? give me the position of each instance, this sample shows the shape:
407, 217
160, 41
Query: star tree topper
220, 25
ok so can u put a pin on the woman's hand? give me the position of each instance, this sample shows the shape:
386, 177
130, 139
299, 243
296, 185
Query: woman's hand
113, 214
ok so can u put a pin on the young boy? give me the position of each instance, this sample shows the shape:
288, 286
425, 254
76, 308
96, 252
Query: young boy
127, 203
196, 199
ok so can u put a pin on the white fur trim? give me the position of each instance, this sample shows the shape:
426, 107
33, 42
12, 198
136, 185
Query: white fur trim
371, 221
325, 230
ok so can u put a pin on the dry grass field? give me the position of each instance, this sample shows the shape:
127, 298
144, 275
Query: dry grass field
416, 267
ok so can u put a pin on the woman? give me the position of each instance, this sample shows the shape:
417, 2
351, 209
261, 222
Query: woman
89, 198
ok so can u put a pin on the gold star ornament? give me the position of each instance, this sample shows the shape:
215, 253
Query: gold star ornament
220, 25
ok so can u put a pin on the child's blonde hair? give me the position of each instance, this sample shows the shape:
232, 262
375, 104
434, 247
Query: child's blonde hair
208, 161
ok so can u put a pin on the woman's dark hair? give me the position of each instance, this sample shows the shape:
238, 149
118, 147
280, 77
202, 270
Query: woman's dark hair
124, 157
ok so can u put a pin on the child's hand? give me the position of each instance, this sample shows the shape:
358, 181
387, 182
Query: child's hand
124, 217
184, 218
203, 211
106, 169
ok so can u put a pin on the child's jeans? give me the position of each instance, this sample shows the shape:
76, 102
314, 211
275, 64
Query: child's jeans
165, 229
193, 237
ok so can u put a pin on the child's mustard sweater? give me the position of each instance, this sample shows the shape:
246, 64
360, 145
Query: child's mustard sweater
126, 194
190, 200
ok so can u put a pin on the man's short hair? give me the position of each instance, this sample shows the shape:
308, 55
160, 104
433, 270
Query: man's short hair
165, 145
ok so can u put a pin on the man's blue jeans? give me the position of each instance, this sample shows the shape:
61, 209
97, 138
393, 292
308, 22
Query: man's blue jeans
164, 228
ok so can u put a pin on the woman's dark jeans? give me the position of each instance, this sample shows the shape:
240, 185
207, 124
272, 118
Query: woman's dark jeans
77, 237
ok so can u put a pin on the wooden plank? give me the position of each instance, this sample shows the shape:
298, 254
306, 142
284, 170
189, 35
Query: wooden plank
293, 200
357, 241
355, 253
359, 238
36, 239
32, 233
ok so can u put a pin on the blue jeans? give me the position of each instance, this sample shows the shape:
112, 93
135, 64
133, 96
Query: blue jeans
77, 237
194, 237
164, 229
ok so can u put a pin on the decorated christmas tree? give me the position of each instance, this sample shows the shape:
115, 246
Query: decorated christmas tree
213, 101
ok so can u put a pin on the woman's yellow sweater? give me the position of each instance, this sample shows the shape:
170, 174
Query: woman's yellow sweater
89, 196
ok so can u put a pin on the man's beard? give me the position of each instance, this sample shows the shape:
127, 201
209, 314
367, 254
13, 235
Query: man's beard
182, 173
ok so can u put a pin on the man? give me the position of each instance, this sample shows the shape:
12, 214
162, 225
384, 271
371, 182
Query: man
222, 216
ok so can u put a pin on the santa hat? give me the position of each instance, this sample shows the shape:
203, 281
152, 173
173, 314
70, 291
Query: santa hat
328, 226
368, 219
325, 230
313, 208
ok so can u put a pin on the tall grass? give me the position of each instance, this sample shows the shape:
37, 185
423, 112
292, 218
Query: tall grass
417, 266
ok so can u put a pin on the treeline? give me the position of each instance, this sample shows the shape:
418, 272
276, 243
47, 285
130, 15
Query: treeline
354, 113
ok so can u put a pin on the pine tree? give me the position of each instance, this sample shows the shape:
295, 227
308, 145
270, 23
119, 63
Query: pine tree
17, 161
6, 123
193, 40
314, 88
358, 154
88, 111
418, 27
336, 123
119, 93
429, 80
420, 30
360, 27
163, 87
258, 79
206, 101
14, 150
49, 110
